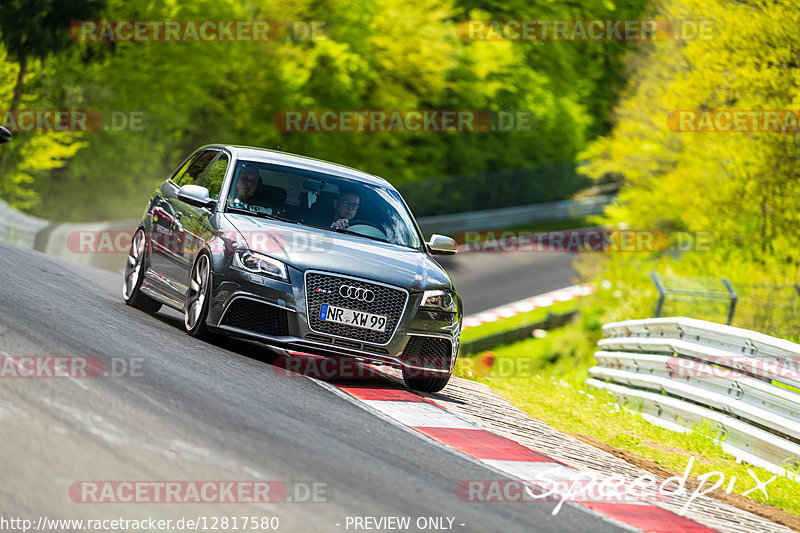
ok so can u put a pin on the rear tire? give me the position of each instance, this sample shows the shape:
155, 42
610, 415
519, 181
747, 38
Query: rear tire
197, 299
425, 381
134, 275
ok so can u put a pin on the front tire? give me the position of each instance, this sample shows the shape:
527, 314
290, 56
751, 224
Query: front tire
134, 275
425, 381
197, 298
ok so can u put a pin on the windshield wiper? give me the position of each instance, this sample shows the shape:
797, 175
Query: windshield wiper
345, 230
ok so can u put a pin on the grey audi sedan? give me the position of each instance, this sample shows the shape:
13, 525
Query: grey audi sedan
303, 255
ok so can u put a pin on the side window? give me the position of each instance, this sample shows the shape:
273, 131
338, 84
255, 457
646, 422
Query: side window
181, 171
192, 174
212, 179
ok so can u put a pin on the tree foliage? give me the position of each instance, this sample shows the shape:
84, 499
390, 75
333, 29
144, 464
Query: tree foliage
740, 186
376, 55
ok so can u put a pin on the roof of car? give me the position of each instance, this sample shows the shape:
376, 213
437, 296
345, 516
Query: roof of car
307, 163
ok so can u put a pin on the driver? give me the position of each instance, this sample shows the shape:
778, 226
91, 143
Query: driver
246, 186
345, 208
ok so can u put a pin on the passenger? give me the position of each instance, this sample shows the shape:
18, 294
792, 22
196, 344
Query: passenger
345, 208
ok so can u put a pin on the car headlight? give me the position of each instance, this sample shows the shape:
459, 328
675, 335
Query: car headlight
439, 300
261, 264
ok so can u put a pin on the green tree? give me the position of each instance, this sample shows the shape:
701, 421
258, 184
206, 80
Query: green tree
740, 186
36, 29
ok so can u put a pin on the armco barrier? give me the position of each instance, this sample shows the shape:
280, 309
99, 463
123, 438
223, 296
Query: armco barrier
489, 342
683, 371
46, 236
509, 217
53, 238
19, 228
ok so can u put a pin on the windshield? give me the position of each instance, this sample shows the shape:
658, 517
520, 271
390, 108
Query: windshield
321, 200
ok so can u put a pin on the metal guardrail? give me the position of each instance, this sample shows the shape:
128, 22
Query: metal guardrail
54, 238
509, 217
19, 228
684, 371
444, 195
525, 331
51, 237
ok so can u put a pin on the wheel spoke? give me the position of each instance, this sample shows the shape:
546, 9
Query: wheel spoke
196, 296
204, 275
133, 265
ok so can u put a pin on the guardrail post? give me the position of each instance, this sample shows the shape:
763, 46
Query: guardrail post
734, 298
662, 292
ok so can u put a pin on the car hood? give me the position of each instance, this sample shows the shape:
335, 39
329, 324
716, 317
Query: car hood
309, 248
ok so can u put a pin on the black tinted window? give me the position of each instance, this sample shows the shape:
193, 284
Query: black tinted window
212, 179
192, 175
316, 199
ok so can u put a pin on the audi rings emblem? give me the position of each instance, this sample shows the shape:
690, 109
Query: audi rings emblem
356, 293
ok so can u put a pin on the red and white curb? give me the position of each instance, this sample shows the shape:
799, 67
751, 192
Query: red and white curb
528, 304
433, 421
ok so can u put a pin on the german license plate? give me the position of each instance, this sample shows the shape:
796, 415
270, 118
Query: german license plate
350, 317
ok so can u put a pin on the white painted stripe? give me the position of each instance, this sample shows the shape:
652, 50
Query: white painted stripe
533, 470
420, 414
543, 474
528, 304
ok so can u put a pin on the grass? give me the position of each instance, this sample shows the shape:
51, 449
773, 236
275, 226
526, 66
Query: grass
545, 378
516, 321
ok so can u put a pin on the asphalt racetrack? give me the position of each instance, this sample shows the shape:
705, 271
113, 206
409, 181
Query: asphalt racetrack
183, 409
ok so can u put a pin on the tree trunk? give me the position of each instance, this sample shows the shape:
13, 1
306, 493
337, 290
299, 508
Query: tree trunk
23, 69
15, 100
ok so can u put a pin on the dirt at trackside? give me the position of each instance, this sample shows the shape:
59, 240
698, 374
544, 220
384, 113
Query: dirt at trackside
764, 510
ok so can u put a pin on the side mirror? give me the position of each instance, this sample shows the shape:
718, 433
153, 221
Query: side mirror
5, 135
441, 245
197, 196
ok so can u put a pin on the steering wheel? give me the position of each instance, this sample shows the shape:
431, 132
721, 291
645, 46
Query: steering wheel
353, 226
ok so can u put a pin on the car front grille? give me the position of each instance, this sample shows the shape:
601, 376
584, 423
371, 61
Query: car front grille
257, 317
428, 352
324, 289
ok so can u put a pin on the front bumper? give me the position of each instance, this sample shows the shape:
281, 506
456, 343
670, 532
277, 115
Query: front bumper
275, 313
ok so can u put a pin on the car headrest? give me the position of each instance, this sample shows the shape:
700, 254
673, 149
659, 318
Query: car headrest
323, 202
321, 211
270, 194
